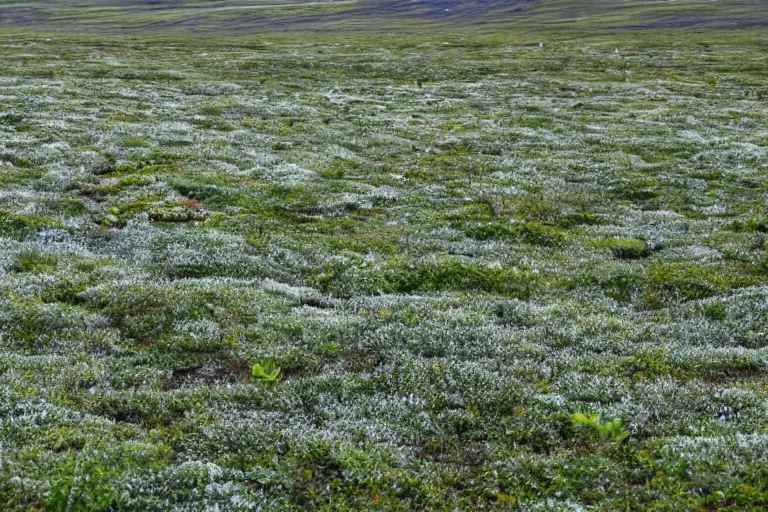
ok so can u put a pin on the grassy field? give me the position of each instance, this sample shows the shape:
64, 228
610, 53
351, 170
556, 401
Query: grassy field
493, 274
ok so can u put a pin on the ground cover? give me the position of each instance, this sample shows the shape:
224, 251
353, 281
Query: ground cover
467, 254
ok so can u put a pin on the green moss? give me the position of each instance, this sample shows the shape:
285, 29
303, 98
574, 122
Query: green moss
533, 233
70, 206
715, 311
128, 117
754, 224
408, 276
136, 142
34, 262
11, 119
580, 219
639, 190
698, 281
647, 364
19, 226
156, 162
625, 248
534, 122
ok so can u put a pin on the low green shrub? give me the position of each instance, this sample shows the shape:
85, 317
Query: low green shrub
608, 431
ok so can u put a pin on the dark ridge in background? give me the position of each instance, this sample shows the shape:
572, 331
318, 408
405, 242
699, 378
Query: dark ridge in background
521, 16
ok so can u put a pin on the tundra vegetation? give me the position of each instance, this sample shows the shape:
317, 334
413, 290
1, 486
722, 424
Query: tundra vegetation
438, 271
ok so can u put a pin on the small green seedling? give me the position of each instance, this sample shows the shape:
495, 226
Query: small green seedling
609, 431
268, 373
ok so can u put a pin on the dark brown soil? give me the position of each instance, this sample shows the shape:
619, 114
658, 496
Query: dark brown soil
196, 376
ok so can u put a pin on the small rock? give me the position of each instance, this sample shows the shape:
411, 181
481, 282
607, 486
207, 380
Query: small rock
727, 414
52, 234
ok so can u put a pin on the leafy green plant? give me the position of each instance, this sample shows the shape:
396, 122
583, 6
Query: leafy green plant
613, 431
268, 372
